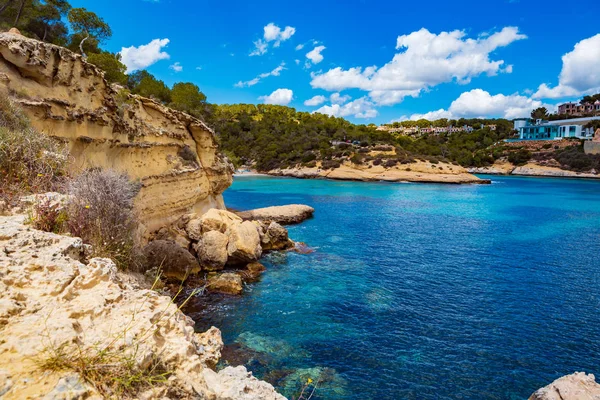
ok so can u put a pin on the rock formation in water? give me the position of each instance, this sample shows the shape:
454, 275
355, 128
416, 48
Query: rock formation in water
68, 325
577, 386
289, 214
172, 154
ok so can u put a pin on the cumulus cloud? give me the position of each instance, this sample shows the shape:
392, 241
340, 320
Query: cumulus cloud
145, 55
272, 33
299, 47
337, 98
423, 60
315, 55
480, 103
252, 82
359, 108
580, 73
281, 97
315, 101
177, 67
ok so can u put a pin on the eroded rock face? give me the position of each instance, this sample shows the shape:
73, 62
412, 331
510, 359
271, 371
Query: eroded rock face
48, 298
276, 237
66, 97
285, 215
577, 386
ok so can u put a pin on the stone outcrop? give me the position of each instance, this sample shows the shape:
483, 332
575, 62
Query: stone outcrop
229, 283
289, 214
170, 259
212, 250
577, 386
418, 171
54, 302
172, 154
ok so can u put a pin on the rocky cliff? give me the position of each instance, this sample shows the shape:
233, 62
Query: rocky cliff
172, 154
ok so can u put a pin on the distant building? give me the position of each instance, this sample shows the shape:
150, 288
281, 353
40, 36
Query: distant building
579, 108
554, 130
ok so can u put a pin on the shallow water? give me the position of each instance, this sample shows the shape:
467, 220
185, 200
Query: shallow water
421, 290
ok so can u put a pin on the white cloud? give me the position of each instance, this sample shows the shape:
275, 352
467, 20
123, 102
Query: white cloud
480, 103
297, 62
145, 55
337, 98
252, 82
177, 67
281, 97
260, 48
272, 33
359, 108
424, 60
580, 73
198, 68
315, 101
315, 55
299, 47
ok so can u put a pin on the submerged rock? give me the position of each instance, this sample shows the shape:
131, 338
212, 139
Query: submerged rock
577, 386
170, 258
252, 272
326, 382
228, 283
290, 214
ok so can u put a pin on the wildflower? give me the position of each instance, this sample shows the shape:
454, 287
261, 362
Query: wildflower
309, 381
40, 175
87, 206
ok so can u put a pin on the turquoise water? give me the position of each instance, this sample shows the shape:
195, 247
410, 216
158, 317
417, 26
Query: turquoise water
421, 291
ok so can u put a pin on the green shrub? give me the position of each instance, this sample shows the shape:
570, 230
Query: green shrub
574, 158
330, 164
519, 157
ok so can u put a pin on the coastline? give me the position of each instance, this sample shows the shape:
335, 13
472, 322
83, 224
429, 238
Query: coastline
419, 172
533, 170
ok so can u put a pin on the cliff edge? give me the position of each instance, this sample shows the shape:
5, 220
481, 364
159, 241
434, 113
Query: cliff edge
172, 154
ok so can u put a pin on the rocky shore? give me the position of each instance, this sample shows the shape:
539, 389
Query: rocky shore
66, 321
419, 171
531, 169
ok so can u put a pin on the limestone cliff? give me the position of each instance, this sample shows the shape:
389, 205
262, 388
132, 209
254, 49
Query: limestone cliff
174, 155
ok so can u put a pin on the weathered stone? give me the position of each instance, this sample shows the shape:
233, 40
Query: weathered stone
276, 238
90, 306
577, 386
244, 243
170, 258
228, 283
209, 346
290, 214
218, 220
212, 251
174, 234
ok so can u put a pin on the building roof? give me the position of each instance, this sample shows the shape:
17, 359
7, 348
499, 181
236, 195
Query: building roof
572, 121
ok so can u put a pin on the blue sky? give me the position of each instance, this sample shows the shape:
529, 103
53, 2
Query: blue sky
388, 60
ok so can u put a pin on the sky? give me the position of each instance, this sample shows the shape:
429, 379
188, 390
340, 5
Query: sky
367, 61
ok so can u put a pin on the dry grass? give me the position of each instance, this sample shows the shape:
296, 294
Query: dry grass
30, 162
101, 212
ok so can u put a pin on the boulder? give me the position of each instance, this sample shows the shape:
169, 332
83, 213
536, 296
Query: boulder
275, 238
244, 243
212, 251
228, 283
218, 220
285, 215
577, 386
252, 272
173, 260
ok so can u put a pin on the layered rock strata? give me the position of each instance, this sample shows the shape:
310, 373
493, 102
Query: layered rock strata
172, 154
